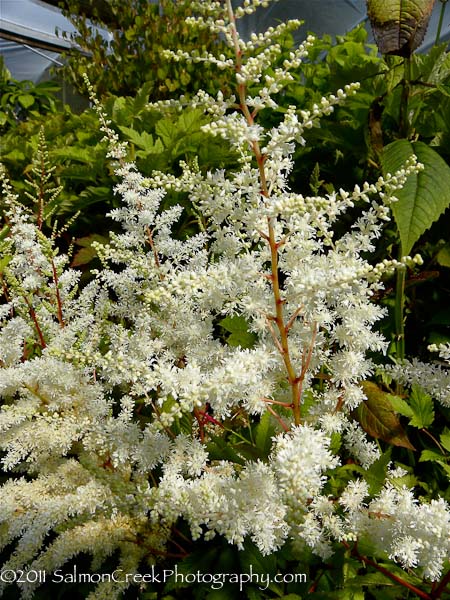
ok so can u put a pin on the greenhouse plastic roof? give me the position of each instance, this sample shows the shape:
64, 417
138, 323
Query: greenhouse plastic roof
30, 43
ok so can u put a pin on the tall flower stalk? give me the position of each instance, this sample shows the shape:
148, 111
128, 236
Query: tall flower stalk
114, 420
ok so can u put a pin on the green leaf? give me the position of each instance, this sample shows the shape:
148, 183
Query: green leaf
4, 262
234, 324
167, 131
219, 449
401, 406
239, 333
424, 197
431, 456
85, 154
443, 256
87, 252
26, 100
264, 433
445, 439
422, 406
375, 475
377, 417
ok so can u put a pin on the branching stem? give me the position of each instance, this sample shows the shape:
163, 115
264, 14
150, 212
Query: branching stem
281, 340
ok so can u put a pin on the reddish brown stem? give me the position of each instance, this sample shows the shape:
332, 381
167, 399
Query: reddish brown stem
387, 573
201, 424
155, 253
33, 316
281, 341
440, 589
58, 295
278, 418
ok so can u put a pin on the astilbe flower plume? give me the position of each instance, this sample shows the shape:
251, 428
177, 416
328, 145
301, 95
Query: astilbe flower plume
105, 420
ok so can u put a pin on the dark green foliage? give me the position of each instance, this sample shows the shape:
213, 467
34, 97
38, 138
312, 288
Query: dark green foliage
21, 100
140, 32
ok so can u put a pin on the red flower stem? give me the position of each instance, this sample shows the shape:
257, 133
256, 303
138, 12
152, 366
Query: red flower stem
388, 574
445, 581
283, 345
33, 316
58, 295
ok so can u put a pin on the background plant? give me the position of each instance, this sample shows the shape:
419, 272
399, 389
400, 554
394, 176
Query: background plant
281, 353
140, 32
23, 99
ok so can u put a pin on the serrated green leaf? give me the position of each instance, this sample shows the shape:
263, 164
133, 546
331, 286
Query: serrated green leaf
234, 324
422, 406
190, 120
167, 131
239, 334
83, 154
431, 456
142, 140
219, 449
242, 339
446, 469
424, 197
401, 406
378, 418
142, 97
14, 155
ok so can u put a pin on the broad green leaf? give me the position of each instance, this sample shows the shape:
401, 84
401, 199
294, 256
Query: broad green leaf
422, 406
399, 26
85, 154
190, 120
219, 449
446, 469
26, 100
141, 98
141, 140
239, 333
234, 324
378, 418
14, 155
167, 131
424, 197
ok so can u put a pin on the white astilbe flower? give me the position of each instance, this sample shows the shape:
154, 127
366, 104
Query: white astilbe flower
434, 379
299, 459
118, 397
412, 533
356, 442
